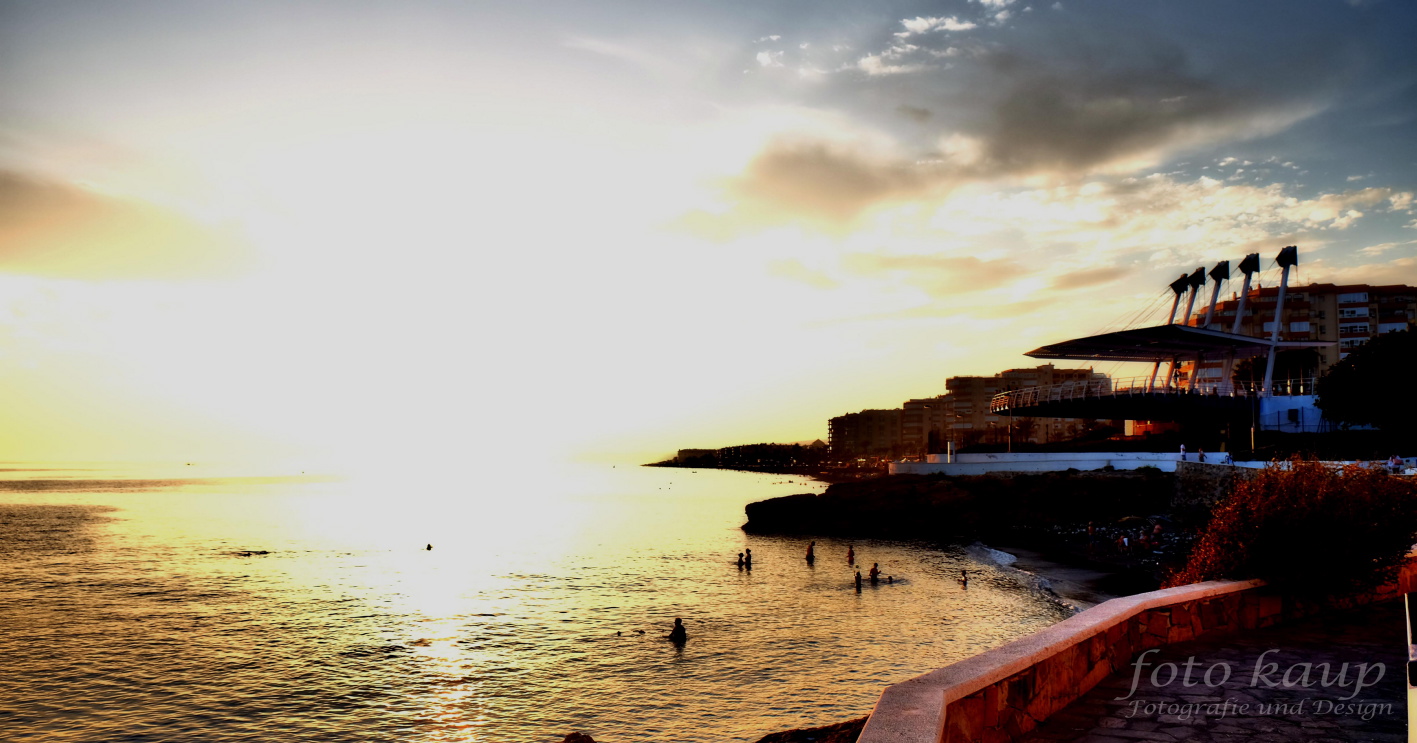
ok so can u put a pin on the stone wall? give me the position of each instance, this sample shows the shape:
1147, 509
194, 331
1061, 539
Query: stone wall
1002, 694
1004, 711
1200, 486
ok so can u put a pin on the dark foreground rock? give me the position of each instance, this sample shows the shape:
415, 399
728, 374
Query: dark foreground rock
578, 738
842, 732
933, 506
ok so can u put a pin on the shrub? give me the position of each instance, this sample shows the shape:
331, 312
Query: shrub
1308, 528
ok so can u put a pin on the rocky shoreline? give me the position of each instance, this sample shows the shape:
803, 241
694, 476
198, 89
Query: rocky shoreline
1046, 514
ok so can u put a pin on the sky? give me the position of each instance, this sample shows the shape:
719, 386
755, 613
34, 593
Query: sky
452, 232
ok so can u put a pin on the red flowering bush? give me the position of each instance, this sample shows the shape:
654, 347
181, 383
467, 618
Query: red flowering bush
1308, 528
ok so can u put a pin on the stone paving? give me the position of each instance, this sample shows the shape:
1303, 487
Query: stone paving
1355, 706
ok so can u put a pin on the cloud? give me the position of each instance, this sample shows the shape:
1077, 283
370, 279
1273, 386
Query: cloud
878, 64
1051, 121
1089, 277
769, 59
824, 184
615, 51
796, 271
924, 24
59, 229
914, 113
1392, 271
1339, 210
1377, 250
938, 275
1024, 117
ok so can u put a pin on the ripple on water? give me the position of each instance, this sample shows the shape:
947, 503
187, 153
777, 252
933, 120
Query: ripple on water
170, 615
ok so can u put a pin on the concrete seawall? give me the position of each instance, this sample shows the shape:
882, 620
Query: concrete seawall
1002, 694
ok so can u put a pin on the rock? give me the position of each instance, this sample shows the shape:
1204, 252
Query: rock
578, 738
842, 732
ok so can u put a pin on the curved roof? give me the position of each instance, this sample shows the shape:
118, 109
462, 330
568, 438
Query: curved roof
1164, 343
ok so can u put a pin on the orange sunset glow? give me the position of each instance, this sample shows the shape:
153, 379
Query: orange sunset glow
329, 232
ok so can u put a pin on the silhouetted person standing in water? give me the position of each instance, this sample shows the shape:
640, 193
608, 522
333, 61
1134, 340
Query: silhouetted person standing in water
858, 581
811, 556
748, 559
875, 572
740, 560
851, 555
678, 635
964, 579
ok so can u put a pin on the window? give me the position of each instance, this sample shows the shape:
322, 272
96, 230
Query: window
1323, 314
1353, 297
1351, 343
1391, 327
1356, 327
1298, 327
1353, 312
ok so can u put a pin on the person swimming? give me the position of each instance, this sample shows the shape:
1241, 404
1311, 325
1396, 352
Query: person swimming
678, 635
875, 572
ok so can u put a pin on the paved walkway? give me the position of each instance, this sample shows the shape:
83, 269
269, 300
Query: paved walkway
1244, 707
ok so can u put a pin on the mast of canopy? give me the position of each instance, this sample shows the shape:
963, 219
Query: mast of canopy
1249, 267
1195, 281
1177, 287
1288, 258
1219, 274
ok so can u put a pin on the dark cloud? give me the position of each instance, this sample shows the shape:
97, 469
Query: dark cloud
1073, 103
914, 113
827, 185
55, 229
1074, 123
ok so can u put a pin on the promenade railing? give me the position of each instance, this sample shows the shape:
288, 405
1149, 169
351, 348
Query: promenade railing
1132, 386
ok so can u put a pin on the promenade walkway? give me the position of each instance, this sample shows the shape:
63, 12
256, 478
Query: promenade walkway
1244, 707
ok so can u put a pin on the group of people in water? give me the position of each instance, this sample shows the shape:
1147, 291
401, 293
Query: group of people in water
678, 635
745, 561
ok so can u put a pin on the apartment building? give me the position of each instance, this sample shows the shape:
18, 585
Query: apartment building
869, 433
1346, 315
969, 421
922, 425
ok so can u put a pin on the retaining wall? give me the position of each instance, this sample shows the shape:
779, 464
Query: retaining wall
1002, 694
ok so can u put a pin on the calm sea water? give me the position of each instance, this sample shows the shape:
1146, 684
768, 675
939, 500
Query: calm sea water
134, 607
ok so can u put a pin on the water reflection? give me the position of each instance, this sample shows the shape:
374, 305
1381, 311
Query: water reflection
314, 610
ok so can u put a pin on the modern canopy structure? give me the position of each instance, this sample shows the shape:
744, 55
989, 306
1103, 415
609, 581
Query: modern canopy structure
1154, 397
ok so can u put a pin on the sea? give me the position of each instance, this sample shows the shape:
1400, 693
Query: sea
186, 603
